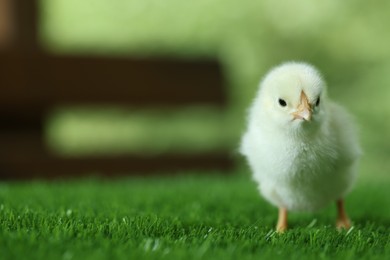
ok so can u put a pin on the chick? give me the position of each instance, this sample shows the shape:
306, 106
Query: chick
302, 148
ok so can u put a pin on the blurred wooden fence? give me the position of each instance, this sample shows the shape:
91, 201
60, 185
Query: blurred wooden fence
33, 81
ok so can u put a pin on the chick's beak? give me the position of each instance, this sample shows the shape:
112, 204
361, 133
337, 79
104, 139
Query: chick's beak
304, 110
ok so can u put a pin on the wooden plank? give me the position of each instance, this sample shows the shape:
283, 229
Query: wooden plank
49, 167
44, 81
60, 168
23, 155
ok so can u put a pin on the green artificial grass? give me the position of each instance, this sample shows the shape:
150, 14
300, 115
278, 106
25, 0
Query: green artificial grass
185, 217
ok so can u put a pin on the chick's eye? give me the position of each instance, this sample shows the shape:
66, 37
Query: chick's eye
318, 101
282, 102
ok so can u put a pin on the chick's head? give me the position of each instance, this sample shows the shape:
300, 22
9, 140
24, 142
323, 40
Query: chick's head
293, 96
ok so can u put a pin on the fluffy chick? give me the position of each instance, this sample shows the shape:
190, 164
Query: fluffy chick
302, 148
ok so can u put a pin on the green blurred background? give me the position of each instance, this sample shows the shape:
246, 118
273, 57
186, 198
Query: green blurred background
347, 40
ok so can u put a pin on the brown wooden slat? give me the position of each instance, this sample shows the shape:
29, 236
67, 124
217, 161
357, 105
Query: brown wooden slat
23, 155
53, 168
43, 81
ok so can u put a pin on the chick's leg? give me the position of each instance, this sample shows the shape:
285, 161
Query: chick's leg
343, 221
281, 226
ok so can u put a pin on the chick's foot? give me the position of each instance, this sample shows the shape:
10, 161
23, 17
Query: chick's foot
281, 226
342, 222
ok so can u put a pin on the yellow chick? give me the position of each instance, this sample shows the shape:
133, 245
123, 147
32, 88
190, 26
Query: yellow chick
302, 148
